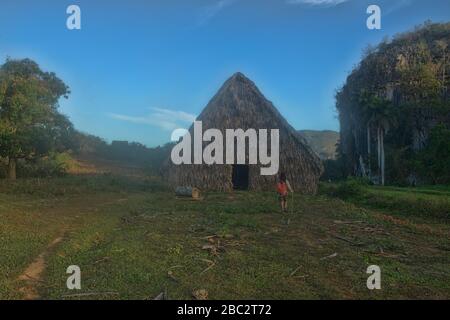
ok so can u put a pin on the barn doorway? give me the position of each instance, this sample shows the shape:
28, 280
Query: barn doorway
240, 176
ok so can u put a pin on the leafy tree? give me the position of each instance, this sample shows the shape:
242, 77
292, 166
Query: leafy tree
30, 124
434, 159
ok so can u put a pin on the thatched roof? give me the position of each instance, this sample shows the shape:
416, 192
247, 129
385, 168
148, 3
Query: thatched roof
240, 104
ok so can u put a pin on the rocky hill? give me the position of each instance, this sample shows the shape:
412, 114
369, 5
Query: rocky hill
322, 142
394, 109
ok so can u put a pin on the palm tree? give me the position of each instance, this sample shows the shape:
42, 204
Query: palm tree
443, 47
378, 112
383, 118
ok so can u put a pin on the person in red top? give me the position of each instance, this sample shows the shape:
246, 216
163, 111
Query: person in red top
283, 188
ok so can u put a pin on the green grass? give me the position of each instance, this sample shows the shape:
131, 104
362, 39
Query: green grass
424, 202
430, 202
79, 185
136, 239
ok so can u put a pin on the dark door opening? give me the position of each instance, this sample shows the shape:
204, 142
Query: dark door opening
240, 176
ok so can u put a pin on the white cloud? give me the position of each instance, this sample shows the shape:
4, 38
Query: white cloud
209, 12
396, 5
323, 3
171, 114
165, 119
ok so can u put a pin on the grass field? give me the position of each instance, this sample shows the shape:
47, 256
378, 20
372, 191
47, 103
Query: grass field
133, 239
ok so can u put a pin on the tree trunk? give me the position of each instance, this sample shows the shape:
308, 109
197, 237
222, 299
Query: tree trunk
443, 70
368, 150
12, 168
382, 156
187, 192
379, 151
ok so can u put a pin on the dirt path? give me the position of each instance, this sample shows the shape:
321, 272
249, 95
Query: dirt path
32, 275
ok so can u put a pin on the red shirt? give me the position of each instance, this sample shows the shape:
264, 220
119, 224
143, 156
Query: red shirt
282, 188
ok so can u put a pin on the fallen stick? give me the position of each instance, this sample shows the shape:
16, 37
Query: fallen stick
347, 240
177, 266
346, 222
211, 236
171, 276
207, 261
330, 256
160, 296
33, 279
101, 260
293, 272
212, 265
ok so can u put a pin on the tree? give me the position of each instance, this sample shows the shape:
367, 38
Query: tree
443, 48
380, 113
30, 124
434, 159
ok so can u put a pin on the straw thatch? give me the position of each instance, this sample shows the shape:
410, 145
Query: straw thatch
239, 104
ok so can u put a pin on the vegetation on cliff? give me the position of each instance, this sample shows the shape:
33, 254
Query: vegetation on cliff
391, 104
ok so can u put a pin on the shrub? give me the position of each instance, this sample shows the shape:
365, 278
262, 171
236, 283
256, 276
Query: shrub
54, 165
334, 170
350, 188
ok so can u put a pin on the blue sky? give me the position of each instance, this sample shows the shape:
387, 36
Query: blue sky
138, 69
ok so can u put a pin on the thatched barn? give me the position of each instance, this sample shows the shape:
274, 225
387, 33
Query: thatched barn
240, 104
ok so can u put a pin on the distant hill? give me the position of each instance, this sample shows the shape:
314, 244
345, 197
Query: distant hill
322, 142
